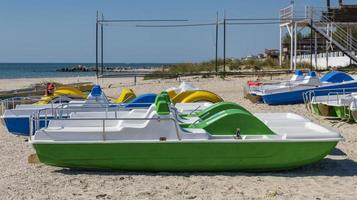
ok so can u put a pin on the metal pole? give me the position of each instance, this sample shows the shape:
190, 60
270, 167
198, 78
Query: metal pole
311, 50
292, 37
316, 50
327, 52
291, 47
217, 42
224, 45
328, 45
101, 44
328, 4
280, 48
295, 45
349, 38
96, 47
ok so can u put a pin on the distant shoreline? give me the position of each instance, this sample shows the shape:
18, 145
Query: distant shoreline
41, 70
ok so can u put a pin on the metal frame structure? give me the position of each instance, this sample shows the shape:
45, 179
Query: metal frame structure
100, 22
152, 23
319, 22
289, 21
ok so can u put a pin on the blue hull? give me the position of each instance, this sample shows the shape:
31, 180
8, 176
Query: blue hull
296, 97
19, 125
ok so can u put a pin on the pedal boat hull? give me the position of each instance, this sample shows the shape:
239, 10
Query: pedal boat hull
234, 155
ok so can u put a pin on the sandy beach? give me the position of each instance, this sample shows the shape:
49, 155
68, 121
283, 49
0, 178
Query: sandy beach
335, 177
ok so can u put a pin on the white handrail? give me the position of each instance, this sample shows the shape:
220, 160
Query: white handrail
35, 118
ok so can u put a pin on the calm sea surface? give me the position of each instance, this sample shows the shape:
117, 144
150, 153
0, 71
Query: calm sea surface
39, 70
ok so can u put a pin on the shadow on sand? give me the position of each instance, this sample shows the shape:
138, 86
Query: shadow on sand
326, 167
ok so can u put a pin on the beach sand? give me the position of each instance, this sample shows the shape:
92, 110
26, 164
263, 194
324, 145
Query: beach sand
335, 177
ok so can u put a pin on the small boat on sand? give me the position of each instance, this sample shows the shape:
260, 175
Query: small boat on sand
336, 104
292, 92
17, 120
184, 93
228, 140
253, 87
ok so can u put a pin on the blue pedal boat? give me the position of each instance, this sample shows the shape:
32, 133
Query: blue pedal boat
293, 93
17, 120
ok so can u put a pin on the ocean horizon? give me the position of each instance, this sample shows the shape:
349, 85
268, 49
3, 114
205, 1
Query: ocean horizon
41, 70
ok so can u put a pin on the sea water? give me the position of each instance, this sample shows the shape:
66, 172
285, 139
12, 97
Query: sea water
39, 70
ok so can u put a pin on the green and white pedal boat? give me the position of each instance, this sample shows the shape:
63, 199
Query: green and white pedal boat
336, 105
231, 139
325, 105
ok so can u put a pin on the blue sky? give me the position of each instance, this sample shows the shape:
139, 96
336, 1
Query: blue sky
64, 31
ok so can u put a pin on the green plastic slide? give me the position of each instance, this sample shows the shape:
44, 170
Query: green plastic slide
218, 107
228, 122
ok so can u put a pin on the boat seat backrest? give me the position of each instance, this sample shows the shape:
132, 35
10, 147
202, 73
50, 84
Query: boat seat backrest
311, 79
298, 76
136, 113
150, 110
96, 98
162, 103
138, 122
146, 129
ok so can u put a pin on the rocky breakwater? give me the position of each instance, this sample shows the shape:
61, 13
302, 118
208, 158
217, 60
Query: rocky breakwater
78, 68
83, 68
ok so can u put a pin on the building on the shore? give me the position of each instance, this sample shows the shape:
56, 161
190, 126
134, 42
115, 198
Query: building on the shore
271, 53
324, 37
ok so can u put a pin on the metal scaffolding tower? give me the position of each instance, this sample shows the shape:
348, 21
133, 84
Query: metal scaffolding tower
322, 21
